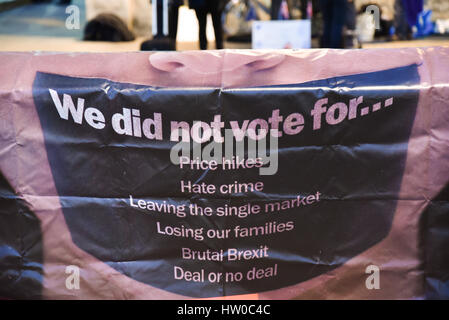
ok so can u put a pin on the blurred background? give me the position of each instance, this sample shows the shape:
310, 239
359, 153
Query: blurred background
130, 25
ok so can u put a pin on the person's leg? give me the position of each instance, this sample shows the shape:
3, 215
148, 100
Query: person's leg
326, 11
275, 7
400, 20
173, 21
218, 27
351, 14
350, 23
201, 14
338, 21
412, 10
304, 9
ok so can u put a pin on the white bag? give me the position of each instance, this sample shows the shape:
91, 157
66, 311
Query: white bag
365, 27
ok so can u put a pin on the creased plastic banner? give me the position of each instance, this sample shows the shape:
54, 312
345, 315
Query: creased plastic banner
150, 180
130, 207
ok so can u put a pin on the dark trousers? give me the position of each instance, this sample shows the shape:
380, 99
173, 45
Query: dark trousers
334, 18
401, 25
212, 7
173, 14
275, 6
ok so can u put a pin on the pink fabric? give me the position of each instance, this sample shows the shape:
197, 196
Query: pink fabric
23, 158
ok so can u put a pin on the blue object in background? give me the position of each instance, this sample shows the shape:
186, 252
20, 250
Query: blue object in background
43, 19
424, 24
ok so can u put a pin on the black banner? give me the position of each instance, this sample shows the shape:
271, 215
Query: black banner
206, 229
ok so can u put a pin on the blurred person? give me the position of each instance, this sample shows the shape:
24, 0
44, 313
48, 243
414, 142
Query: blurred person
406, 16
350, 39
202, 8
163, 40
276, 8
412, 9
401, 26
334, 18
107, 27
173, 17
306, 8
